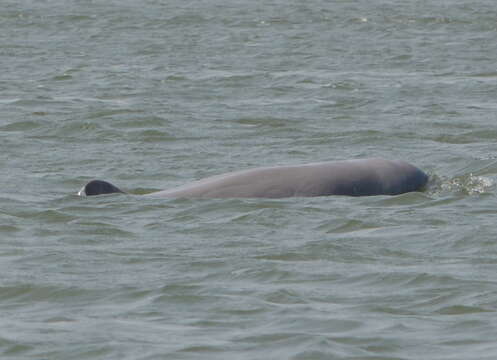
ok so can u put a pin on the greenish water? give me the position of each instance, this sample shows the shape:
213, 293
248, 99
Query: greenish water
153, 94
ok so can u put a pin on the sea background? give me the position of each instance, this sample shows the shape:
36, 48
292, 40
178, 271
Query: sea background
153, 94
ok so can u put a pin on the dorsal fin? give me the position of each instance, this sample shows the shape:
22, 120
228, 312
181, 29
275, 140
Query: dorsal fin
99, 187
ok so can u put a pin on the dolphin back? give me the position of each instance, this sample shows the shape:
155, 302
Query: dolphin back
361, 177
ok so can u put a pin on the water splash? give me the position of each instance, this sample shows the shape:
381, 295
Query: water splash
467, 184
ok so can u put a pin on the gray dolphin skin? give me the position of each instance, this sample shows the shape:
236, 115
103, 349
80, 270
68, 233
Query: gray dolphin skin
363, 177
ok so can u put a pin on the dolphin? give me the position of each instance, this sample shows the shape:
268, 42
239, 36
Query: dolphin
361, 177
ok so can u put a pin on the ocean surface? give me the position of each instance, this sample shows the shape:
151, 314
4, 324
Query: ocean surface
153, 94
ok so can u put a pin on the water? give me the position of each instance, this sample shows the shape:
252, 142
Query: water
153, 94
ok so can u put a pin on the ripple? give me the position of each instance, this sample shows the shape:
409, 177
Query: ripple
461, 310
21, 126
33, 293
